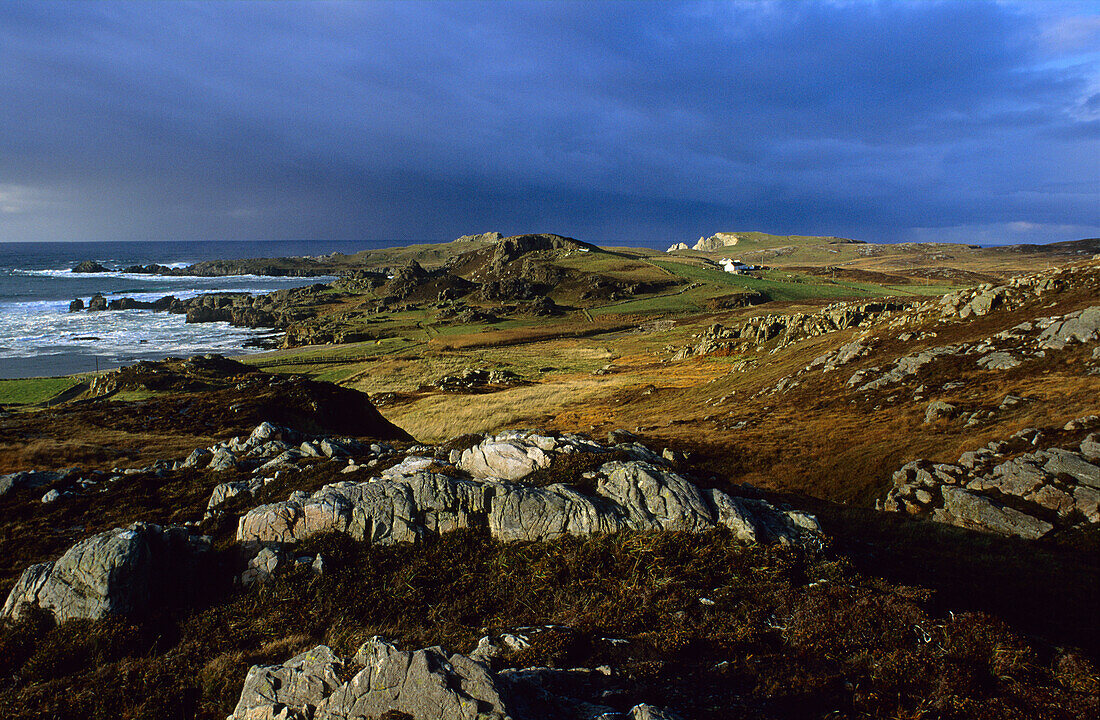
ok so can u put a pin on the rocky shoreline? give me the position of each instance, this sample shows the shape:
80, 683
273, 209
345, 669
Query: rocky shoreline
269, 267
276, 310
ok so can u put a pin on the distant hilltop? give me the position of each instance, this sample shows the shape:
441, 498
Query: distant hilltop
721, 240
480, 238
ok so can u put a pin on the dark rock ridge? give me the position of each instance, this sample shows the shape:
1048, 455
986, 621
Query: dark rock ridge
510, 248
89, 266
425, 684
1008, 487
270, 267
520, 268
252, 396
272, 310
126, 303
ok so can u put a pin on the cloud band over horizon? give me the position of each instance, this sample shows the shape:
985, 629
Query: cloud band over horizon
617, 123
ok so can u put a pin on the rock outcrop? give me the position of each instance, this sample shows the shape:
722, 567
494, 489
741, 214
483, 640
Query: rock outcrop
483, 486
786, 329
488, 237
471, 379
1007, 487
1047, 333
118, 572
1004, 351
717, 241
426, 684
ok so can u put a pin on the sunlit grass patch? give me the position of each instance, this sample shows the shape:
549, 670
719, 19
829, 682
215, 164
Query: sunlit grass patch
29, 391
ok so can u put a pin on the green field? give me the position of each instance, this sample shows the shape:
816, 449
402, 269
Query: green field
779, 284
31, 391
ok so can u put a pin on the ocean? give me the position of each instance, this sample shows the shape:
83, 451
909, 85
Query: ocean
39, 337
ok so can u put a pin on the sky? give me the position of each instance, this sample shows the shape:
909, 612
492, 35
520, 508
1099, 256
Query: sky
629, 123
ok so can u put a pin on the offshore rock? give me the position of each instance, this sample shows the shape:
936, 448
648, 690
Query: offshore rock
89, 266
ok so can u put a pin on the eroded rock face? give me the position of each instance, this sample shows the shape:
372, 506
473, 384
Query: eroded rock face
291, 690
426, 684
717, 241
112, 573
1001, 490
1083, 326
488, 237
425, 495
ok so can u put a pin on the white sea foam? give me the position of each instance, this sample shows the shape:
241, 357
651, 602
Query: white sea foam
116, 275
39, 336
29, 332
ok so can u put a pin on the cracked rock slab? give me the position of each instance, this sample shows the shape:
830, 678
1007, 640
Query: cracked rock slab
632, 495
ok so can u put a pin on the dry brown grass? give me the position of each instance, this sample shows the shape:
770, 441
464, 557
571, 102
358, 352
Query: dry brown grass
442, 416
519, 336
92, 447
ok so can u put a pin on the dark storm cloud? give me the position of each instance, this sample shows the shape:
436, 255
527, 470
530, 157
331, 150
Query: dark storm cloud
614, 122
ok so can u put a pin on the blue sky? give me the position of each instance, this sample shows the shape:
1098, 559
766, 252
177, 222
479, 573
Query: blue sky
613, 122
